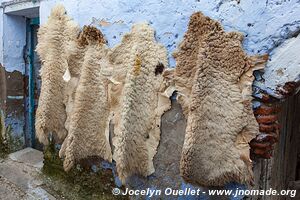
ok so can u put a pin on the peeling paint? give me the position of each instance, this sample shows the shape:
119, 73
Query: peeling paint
283, 66
12, 103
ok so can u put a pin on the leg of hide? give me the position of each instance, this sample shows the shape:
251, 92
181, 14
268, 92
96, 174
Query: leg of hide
137, 116
220, 121
53, 37
88, 122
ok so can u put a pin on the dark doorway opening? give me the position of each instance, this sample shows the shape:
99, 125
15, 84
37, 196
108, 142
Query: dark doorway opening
32, 82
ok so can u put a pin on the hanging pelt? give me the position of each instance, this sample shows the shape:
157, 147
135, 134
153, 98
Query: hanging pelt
53, 39
88, 126
214, 78
138, 100
75, 54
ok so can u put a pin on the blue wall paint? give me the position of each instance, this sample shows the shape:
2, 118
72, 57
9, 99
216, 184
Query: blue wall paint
14, 41
1, 34
14, 30
265, 23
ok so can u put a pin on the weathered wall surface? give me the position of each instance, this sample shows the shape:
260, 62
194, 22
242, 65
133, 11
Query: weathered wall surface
13, 76
284, 65
265, 25
1, 33
13, 45
268, 27
14, 42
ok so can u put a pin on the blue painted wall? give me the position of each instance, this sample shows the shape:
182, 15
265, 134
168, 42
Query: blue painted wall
14, 42
14, 30
265, 24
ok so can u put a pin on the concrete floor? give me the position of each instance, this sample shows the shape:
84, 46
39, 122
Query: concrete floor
20, 176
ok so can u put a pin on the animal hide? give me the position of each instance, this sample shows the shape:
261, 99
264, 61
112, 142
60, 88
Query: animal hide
88, 126
139, 63
75, 55
53, 39
213, 78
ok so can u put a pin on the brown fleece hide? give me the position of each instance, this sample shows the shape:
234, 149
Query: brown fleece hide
213, 78
139, 62
88, 126
53, 38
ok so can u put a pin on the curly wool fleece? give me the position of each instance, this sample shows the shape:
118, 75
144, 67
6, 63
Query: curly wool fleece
213, 78
53, 39
75, 53
137, 114
89, 125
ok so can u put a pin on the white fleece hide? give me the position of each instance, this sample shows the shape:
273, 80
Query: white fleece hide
88, 121
137, 113
75, 54
53, 39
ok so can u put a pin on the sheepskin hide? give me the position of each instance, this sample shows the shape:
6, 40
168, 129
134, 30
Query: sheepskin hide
88, 128
213, 78
139, 63
53, 39
75, 55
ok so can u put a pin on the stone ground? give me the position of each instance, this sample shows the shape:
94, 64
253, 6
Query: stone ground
20, 176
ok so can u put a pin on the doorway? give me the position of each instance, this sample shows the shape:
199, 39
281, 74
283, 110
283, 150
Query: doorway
32, 82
